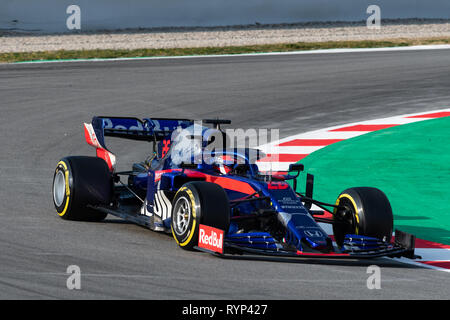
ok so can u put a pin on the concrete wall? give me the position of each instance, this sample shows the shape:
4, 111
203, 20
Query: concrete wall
51, 16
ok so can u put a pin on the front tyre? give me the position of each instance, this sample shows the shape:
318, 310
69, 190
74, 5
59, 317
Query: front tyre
79, 182
365, 211
195, 203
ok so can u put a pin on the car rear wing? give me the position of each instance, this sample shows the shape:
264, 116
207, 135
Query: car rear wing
148, 129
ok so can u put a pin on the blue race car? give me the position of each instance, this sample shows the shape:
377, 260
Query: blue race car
221, 203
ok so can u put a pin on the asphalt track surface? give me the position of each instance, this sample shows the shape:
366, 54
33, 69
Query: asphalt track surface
42, 110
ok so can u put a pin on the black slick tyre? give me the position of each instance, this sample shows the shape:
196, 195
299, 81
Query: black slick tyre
367, 212
80, 181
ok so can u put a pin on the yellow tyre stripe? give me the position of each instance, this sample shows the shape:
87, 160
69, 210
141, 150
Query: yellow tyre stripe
191, 196
171, 225
189, 192
66, 173
345, 195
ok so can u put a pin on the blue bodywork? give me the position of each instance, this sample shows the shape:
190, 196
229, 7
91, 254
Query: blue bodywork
300, 231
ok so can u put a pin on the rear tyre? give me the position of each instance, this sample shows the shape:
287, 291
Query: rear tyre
195, 203
367, 212
78, 182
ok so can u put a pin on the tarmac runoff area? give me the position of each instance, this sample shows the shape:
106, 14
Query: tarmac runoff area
43, 109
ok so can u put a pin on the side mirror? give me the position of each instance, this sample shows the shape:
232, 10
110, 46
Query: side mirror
296, 167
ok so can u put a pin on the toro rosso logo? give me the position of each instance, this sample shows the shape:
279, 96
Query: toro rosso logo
210, 238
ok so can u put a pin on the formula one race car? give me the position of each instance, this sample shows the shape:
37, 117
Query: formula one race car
216, 200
